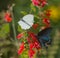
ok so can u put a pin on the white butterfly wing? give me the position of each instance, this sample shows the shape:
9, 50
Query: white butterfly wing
23, 25
29, 19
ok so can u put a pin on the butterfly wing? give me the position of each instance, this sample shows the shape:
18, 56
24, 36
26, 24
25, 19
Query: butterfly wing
45, 31
23, 25
44, 36
27, 21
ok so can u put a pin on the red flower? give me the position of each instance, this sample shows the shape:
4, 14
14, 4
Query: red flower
21, 48
35, 2
35, 26
31, 45
46, 21
20, 35
37, 45
39, 2
7, 17
31, 53
33, 36
35, 41
43, 3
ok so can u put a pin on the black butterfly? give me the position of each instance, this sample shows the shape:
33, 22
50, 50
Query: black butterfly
44, 37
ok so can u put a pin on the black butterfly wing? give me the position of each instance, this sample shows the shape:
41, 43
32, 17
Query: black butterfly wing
44, 36
46, 32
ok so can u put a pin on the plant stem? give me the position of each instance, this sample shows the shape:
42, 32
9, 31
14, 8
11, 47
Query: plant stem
13, 23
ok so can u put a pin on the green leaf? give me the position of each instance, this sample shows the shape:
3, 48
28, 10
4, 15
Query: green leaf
23, 12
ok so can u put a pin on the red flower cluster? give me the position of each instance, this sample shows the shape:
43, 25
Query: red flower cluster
46, 21
39, 2
33, 44
31, 53
36, 45
21, 48
35, 2
20, 35
43, 2
34, 39
8, 17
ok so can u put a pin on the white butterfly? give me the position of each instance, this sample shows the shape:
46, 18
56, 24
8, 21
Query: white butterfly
27, 21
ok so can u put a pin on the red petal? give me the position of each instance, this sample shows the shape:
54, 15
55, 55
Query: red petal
31, 45
28, 39
7, 17
31, 53
21, 48
43, 3
20, 35
35, 2
33, 36
46, 21
37, 45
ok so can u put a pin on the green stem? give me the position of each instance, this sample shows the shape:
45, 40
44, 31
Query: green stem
13, 26
13, 23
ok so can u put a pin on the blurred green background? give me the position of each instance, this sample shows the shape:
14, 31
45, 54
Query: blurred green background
9, 45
